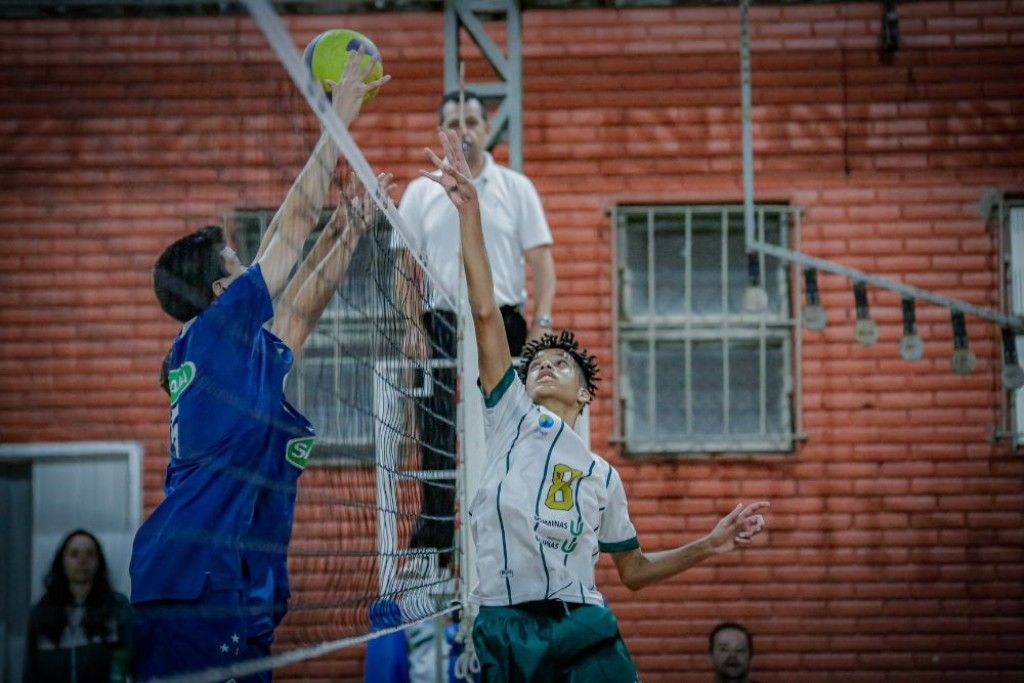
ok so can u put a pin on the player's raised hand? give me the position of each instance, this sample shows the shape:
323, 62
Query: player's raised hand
452, 173
347, 92
365, 207
738, 527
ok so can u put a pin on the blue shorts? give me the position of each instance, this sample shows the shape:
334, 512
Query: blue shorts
173, 637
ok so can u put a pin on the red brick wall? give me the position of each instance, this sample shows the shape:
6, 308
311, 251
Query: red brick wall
896, 536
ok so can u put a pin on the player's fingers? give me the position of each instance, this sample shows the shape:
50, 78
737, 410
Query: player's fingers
756, 506
373, 85
433, 176
731, 518
366, 66
434, 158
446, 142
355, 59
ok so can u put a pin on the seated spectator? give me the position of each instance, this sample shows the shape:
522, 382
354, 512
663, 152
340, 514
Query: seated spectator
81, 629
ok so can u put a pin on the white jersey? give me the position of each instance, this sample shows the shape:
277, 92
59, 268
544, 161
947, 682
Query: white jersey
513, 222
545, 508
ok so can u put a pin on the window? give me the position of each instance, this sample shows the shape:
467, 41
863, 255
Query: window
1015, 304
696, 372
334, 384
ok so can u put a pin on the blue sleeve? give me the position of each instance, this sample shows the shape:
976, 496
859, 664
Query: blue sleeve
212, 372
237, 315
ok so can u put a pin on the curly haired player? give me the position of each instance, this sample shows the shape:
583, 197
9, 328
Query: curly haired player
547, 506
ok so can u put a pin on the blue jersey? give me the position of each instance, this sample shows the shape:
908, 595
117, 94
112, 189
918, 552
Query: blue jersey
234, 443
268, 591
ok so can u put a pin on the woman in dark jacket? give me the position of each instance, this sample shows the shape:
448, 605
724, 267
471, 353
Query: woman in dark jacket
80, 630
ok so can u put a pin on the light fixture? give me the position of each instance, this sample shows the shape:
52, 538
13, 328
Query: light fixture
755, 298
963, 360
890, 28
865, 331
1013, 375
911, 345
813, 314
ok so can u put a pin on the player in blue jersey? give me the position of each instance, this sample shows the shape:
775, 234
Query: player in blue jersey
234, 440
546, 507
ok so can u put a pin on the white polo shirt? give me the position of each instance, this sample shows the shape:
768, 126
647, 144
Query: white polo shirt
513, 222
545, 508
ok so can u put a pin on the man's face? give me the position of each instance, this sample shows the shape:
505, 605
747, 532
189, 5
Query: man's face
553, 373
730, 655
234, 267
474, 127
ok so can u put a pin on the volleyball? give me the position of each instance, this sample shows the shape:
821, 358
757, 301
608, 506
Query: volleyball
327, 54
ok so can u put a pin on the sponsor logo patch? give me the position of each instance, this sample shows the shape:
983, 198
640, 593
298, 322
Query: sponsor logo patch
179, 379
298, 451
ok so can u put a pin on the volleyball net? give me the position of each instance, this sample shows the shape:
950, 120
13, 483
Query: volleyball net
373, 547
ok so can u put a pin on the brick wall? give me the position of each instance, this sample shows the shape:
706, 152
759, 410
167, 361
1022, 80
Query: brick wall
895, 549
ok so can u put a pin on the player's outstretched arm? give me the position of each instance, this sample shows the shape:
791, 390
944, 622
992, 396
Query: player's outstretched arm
454, 176
300, 210
311, 288
638, 569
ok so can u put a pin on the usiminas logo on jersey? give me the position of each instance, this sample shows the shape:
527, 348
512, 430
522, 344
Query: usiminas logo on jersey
546, 421
179, 379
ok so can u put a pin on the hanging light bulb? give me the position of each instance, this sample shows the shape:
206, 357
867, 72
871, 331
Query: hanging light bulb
963, 360
755, 298
911, 345
1013, 375
865, 331
814, 315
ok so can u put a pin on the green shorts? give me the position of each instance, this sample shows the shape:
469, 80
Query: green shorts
549, 641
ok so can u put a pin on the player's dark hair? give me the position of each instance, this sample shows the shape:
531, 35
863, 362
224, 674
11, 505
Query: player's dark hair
184, 274
453, 96
99, 604
565, 341
725, 625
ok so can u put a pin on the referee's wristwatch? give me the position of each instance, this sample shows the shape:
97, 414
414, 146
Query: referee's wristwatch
542, 321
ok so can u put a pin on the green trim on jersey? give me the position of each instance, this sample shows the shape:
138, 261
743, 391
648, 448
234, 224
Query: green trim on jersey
619, 547
497, 505
536, 509
544, 478
491, 400
547, 576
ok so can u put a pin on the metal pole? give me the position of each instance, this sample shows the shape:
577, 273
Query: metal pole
1011, 321
748, 135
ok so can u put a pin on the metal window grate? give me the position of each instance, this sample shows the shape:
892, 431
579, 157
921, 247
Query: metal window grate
697, 373
339, 356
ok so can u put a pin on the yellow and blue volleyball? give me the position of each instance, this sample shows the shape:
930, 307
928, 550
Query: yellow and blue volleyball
327, 54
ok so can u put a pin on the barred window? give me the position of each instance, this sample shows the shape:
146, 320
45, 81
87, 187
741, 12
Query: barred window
696, 372
1013, 213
